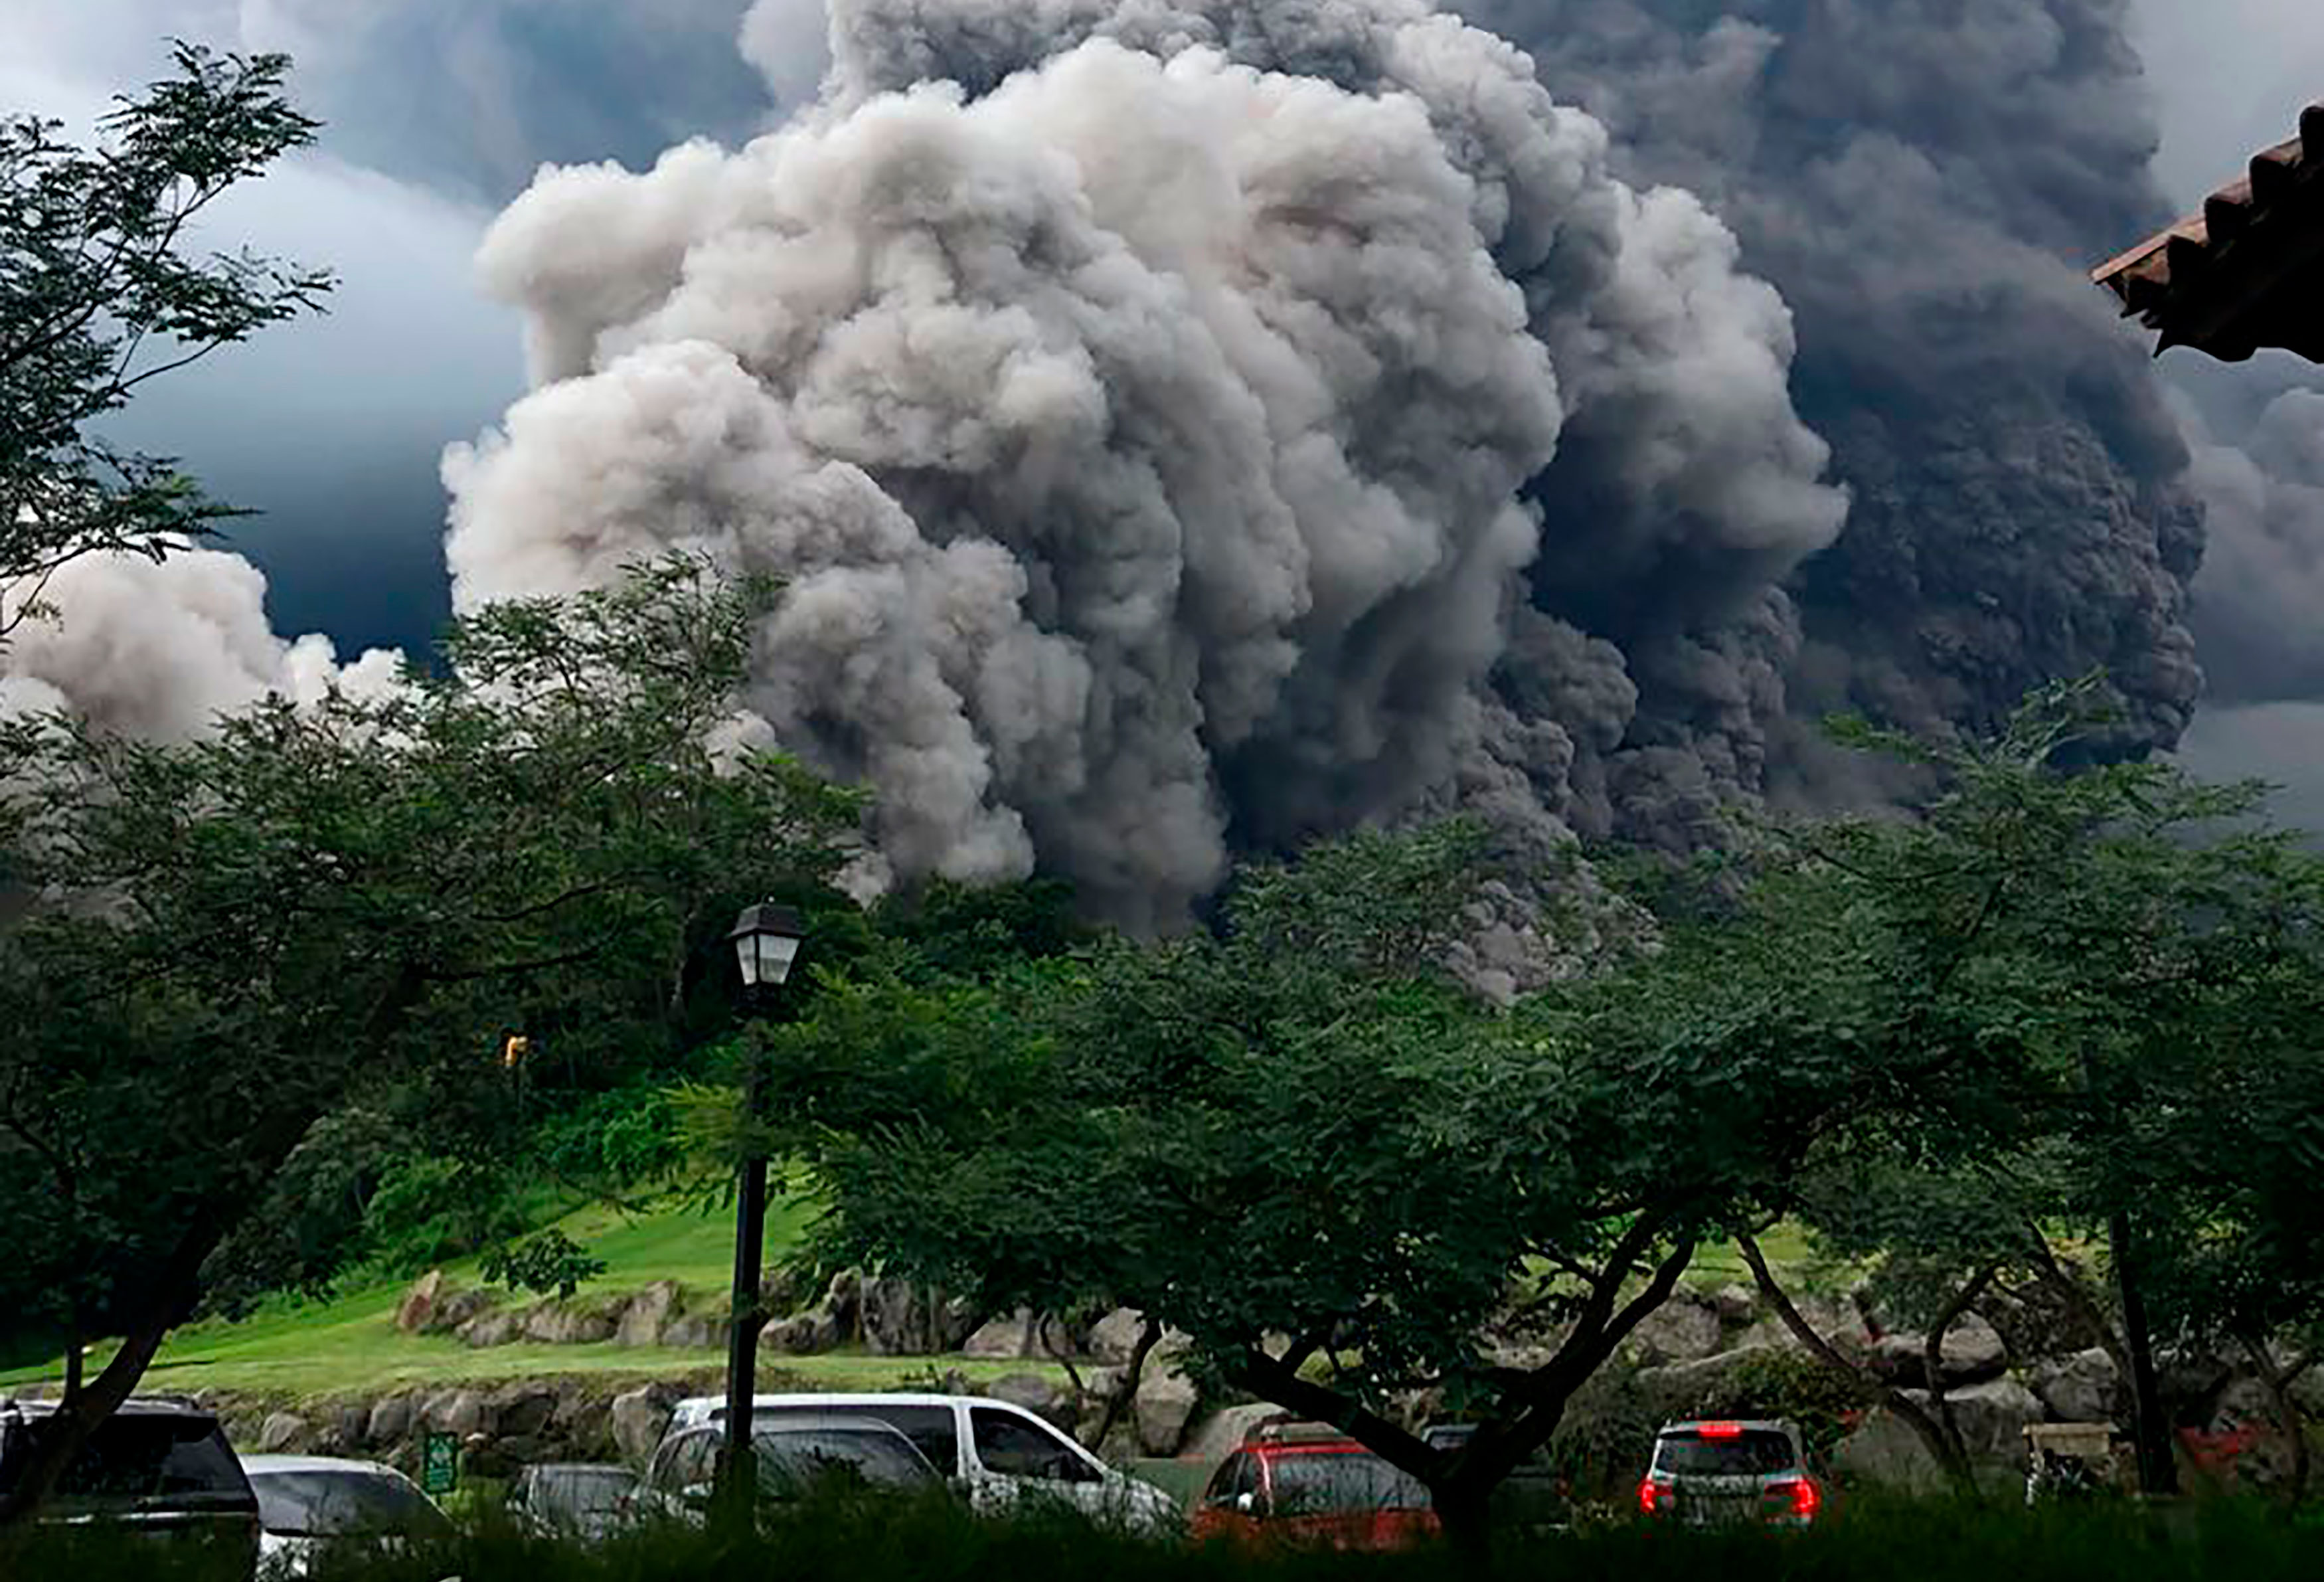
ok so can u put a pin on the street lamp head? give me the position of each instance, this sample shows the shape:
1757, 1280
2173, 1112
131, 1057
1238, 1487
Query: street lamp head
766, 939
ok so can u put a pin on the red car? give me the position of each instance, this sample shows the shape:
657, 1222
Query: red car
1310, 1483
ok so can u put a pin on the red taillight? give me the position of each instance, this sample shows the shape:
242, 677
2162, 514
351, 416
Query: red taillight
1651, 1495
1719, 1430
1804, 1497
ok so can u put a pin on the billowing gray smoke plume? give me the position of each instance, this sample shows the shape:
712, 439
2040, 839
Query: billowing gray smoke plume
1926, 181
1185, 426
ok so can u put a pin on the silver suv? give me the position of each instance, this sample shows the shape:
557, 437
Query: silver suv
1711, 1472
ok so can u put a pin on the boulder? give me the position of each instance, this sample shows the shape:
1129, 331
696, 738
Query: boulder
808, 1334
1164, 1405
695, 1332
1012, 1335
1885, 1450
1971, 1353
1677, 1389
521, 1410
1735, 1304
455, 1411
389, 1422
904, 1319
2085, 1387
639, 1419
644, 1315
281, 1431
894, 1317
1112, 1338
1037, 1395
1992, 1418
493, 1327
1685, 1329
568, 1324
344, 1434
844, 1297
415, 1312
456, 1308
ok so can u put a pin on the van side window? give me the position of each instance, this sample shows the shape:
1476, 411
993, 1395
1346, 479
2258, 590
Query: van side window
934, 1432
1015, 1447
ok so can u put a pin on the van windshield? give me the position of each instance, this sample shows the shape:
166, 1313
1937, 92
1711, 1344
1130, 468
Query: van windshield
1752, 1453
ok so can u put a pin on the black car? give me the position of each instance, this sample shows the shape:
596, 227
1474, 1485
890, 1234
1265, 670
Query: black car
159, 1470
1533, 1496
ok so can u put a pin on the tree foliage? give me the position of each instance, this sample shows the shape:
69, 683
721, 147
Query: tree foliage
344, 907
100, 292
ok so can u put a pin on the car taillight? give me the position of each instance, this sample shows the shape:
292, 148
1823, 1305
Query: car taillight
1651, 1495
1802, 1495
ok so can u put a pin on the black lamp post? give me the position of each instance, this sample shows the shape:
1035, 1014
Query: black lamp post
766, 941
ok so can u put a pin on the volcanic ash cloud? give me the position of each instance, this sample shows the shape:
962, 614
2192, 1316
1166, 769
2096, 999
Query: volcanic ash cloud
1141, 404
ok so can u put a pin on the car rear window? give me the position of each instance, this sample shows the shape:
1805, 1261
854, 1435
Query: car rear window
1314, 1483
333, 1502
140, 1456
578, 1490
1751, 1453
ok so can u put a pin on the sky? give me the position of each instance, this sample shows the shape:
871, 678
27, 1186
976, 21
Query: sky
439, 112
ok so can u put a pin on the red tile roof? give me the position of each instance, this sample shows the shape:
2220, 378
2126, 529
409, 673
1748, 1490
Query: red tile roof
2248, 271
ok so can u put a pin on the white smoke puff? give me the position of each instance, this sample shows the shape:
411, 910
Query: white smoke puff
158, 650
1125, 417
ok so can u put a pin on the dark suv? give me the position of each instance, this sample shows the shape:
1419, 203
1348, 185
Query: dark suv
158, 1469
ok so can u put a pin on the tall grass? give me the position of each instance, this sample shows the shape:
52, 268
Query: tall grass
1887, 1541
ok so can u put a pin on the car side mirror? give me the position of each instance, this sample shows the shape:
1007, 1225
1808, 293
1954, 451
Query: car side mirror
695, 1496
1246, 1502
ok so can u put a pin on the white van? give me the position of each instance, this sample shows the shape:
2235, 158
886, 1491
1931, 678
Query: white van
995, 1453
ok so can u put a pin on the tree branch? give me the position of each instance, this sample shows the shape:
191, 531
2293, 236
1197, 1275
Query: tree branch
1931, 1434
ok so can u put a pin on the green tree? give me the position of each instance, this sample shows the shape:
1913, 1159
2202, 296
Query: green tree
2107, 976
238, 939
99, 293
1298, 1142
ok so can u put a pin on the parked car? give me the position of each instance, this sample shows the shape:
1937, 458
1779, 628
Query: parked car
575, 1499
160, 1469
308, 1505
1706, 1472
995, 1454
1311, 1484
791, 1455
1532, 1497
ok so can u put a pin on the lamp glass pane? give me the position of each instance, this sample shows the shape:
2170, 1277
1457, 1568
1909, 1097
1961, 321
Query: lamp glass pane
777, 952
746, 956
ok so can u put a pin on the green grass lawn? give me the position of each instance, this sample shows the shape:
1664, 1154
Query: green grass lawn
348, 1343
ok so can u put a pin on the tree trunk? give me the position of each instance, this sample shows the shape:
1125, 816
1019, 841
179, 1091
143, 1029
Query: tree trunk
1932, 1361
69, 1429
2158, 1470
76, 1340
1465, 1514
1944, 1448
